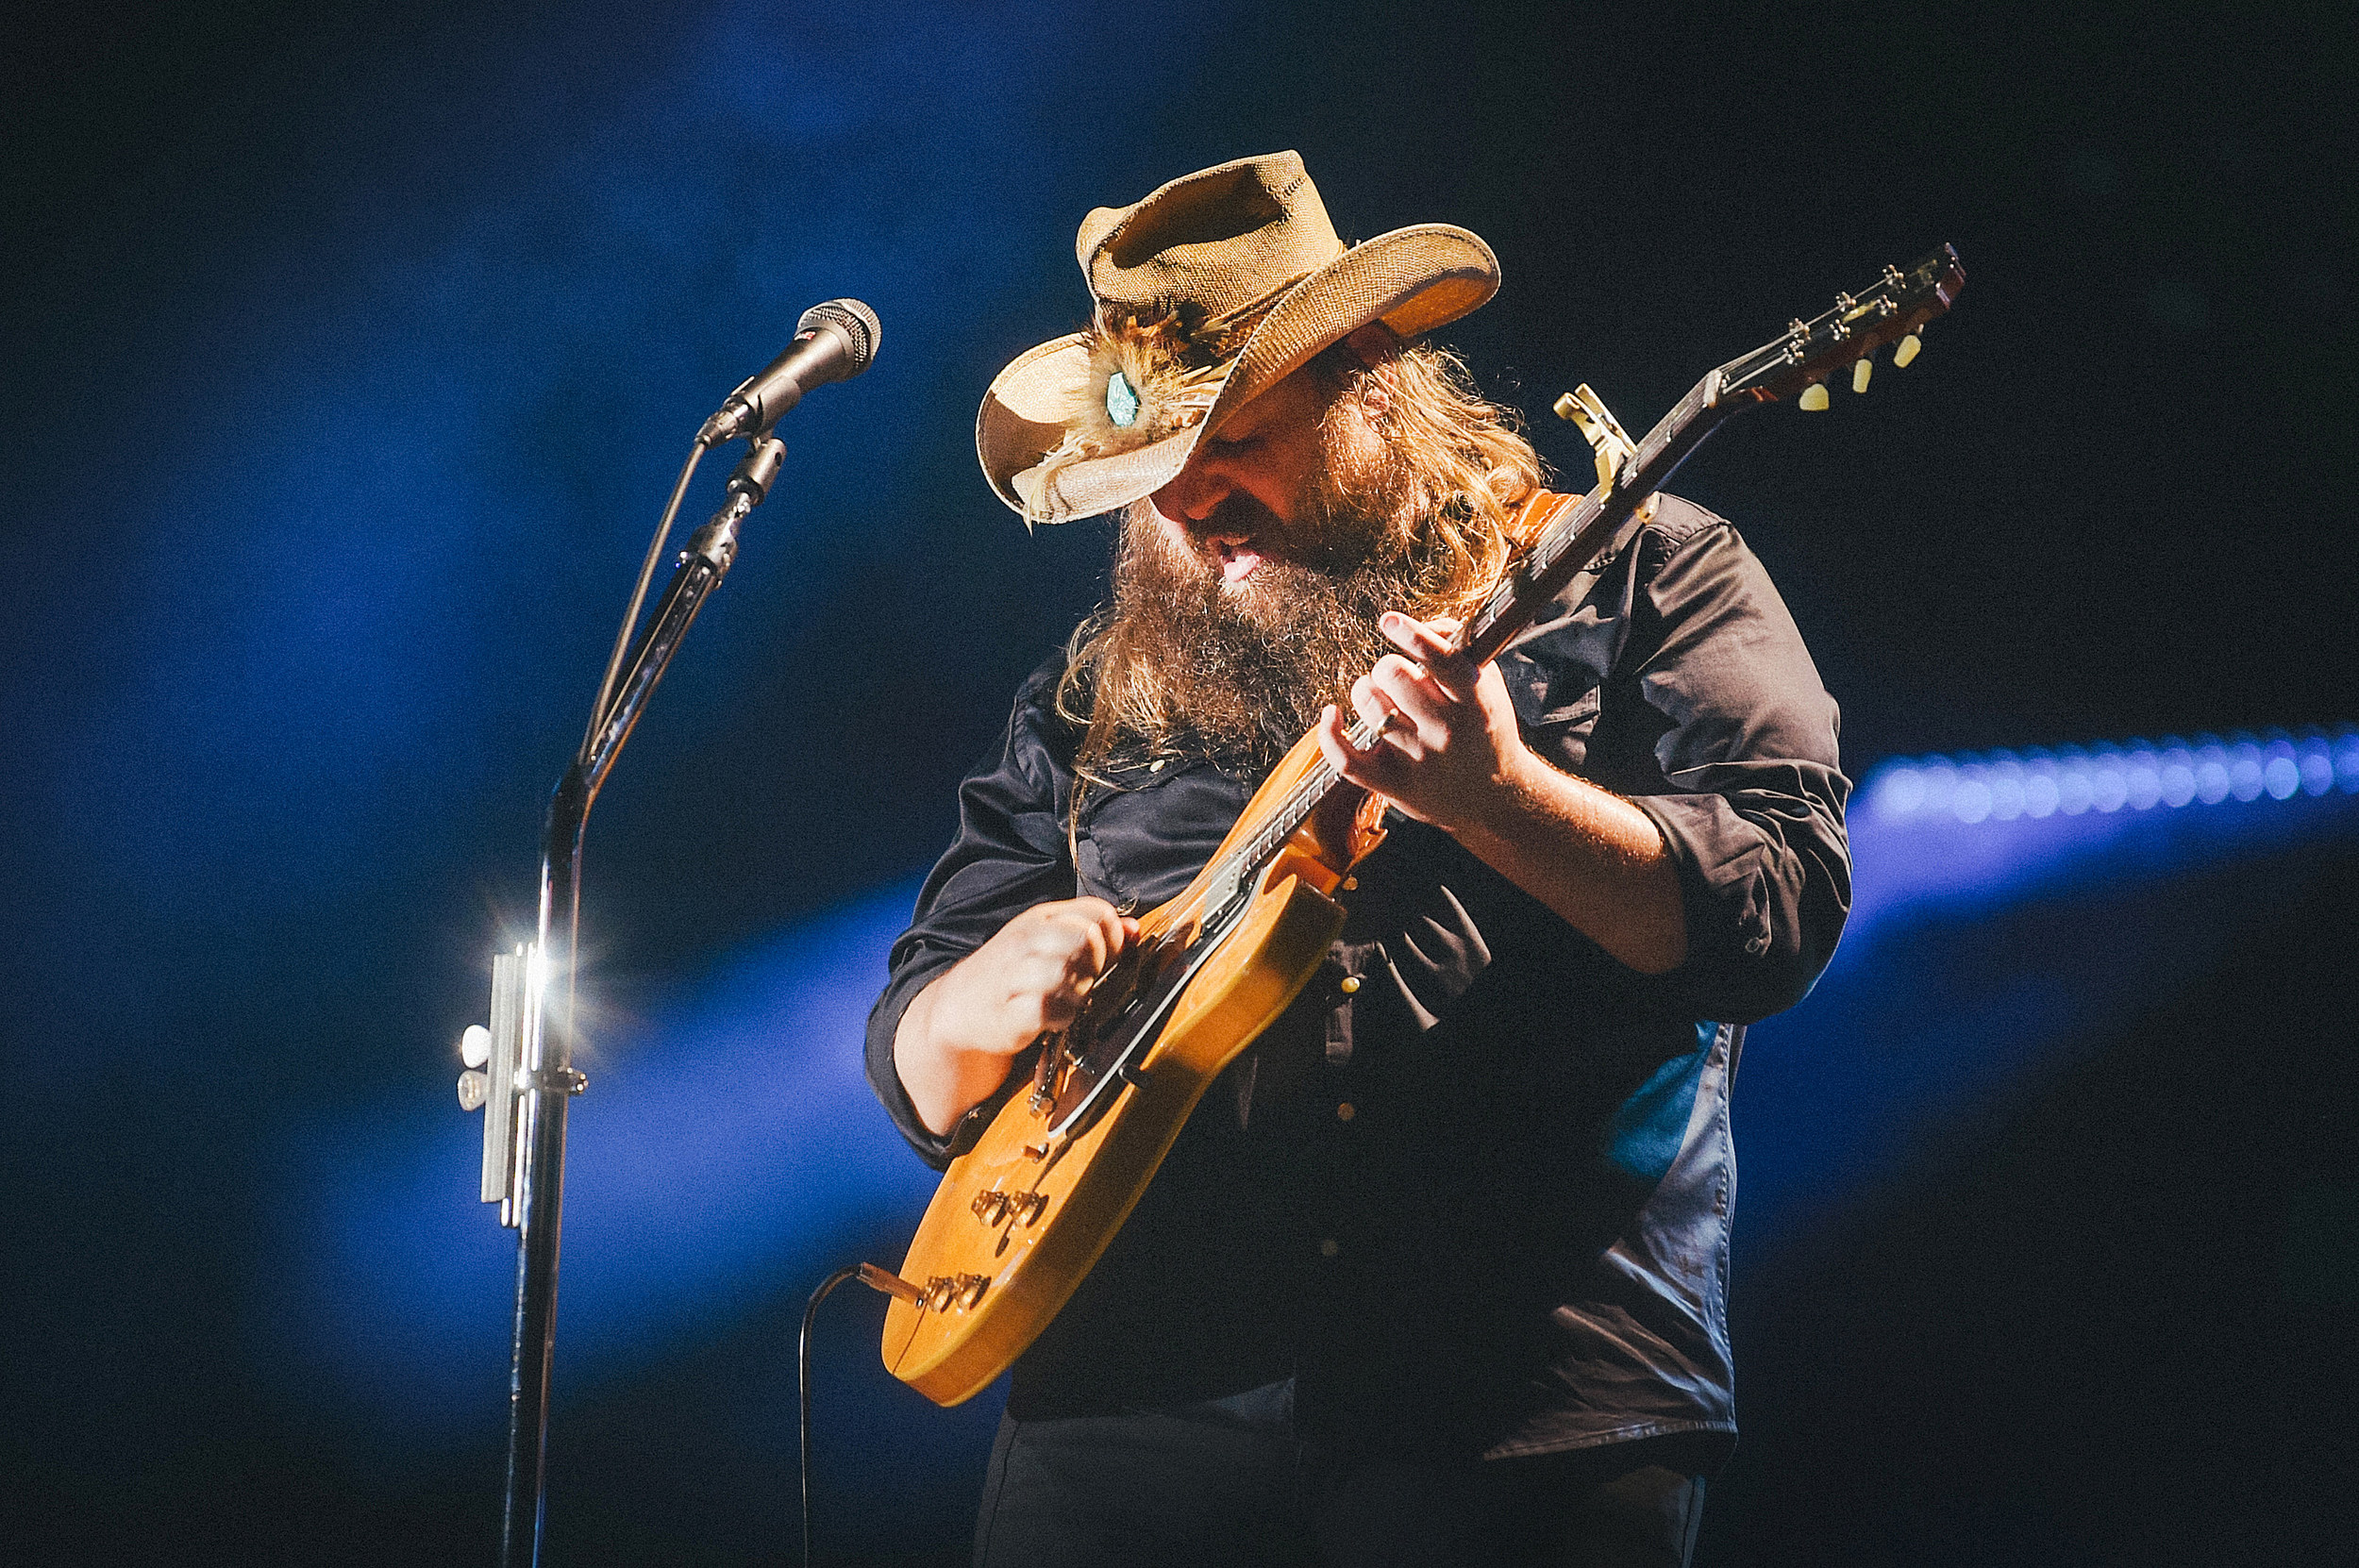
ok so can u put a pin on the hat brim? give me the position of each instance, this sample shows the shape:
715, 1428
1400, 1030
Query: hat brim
1412, 279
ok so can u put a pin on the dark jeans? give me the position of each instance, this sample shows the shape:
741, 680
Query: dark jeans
1229, 1484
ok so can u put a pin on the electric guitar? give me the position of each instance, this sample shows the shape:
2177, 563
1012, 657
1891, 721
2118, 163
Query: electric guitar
1022, 1216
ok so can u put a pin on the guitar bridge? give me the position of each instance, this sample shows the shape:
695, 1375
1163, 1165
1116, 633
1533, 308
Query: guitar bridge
1044, 1097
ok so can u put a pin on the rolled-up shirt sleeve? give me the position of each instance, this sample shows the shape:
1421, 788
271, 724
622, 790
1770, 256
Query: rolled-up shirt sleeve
1011, 853
1756, 821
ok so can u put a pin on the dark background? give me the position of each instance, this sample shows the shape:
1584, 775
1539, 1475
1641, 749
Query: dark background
349, 355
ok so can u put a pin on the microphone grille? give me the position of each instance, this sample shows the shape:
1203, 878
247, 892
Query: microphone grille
856, 323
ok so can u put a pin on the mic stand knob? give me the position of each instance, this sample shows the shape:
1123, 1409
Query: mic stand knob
754, 473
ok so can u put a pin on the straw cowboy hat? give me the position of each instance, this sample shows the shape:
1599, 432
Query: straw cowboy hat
1206, 294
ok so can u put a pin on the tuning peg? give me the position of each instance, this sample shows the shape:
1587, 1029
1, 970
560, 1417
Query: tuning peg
1907, 351
1860, 373
1814, 398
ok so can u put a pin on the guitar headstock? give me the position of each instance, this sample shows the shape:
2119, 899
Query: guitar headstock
1891, 309
1894, 308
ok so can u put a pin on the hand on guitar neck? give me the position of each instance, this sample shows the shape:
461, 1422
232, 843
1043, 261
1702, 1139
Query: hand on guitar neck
958, 1038
1450, 754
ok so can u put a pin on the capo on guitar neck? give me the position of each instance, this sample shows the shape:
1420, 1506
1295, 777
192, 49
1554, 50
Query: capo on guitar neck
1611, 443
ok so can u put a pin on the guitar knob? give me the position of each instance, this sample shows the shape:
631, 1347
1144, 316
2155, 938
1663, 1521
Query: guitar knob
1908, 350
1814, 398
1860, 373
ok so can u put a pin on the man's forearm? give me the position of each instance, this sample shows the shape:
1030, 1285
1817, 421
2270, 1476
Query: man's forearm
942, 1078
1445, 749
955, 1042
1587, 854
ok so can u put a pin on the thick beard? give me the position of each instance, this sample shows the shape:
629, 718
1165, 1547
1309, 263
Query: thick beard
1241, 670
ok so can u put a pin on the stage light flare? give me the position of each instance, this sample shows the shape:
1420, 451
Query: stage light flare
2001, 786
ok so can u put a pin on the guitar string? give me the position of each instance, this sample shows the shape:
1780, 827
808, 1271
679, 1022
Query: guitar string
1554, 540
1634, 483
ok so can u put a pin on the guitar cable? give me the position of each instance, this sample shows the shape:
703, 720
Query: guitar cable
880, 1279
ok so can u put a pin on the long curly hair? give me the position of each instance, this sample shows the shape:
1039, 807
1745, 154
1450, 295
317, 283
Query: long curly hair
1438, 522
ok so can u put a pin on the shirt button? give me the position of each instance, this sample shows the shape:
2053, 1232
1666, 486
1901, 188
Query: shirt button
1327, 1247
1350, 984
1346, 1111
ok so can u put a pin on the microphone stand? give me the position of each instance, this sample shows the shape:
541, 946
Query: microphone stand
547, 1079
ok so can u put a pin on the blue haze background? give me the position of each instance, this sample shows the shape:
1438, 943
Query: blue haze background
348, 358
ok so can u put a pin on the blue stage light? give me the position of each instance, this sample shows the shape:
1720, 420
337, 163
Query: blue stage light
1911, 1035
2106, 778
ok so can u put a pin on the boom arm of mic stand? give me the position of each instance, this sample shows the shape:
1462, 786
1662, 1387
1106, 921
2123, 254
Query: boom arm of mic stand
549, 1079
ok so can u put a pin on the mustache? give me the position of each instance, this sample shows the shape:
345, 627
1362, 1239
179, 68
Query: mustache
1239, 670
1237, 513
1317, 539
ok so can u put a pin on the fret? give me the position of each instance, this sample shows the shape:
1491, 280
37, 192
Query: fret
1561, 533
1671, 427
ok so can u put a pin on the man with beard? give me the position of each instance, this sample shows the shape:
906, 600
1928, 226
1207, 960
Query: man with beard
1436, 1271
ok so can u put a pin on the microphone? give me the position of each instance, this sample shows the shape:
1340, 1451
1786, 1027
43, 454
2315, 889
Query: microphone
833, 341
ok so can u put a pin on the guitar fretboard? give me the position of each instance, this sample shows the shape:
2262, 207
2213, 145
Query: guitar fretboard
1900, 301
1565, 547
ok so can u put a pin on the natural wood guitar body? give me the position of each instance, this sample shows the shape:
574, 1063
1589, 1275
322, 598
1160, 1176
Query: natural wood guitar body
1020, 1219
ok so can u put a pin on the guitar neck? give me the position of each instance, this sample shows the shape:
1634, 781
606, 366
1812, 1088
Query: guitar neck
1572, 543
1896, 305
1565, 547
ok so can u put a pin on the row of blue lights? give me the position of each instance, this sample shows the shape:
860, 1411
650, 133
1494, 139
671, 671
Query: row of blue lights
1999, 786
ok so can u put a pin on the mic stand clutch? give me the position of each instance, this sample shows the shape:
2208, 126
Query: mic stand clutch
529, 1048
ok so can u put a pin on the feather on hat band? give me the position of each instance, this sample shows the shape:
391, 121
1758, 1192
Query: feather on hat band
1207, 294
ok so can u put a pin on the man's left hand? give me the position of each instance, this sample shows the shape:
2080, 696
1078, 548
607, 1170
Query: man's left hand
1449, 744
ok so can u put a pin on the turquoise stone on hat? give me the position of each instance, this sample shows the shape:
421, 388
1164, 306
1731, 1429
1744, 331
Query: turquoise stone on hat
1122, 400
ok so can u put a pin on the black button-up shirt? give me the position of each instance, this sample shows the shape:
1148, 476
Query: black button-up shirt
1472, 1192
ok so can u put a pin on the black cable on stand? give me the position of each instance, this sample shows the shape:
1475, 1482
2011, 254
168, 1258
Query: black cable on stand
549, 1080
529, 1047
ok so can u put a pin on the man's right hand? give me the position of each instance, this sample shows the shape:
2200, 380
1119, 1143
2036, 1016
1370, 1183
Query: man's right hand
958, 1038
